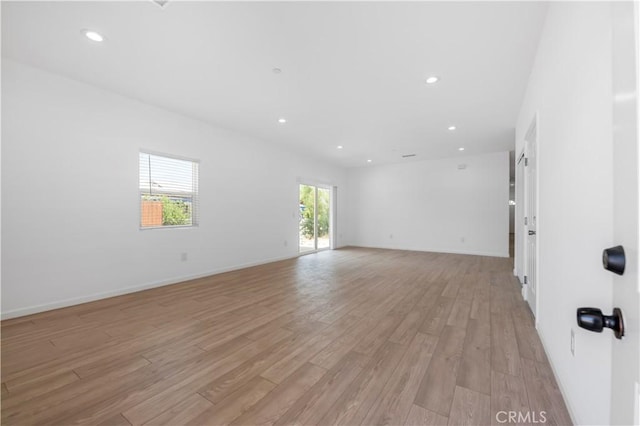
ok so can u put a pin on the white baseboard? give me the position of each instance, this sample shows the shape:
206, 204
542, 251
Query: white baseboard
436, 250
119, 292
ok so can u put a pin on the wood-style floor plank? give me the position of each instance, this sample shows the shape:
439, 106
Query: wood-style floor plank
235, 404
437, 387
117, 420
460, 310
475, 365
508, 394
357, 400
351, 336
313, 405
470, 408
419, 416
505, 355
229, 383
543, 392
335, 351
5, 391
529, 343
278, 372
396, 399
184, 383
438, 316
181, 413
282, 397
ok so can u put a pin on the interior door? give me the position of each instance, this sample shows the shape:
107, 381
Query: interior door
626, 287
531, 195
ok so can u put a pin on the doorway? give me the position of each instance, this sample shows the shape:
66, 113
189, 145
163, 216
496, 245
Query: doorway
315, 218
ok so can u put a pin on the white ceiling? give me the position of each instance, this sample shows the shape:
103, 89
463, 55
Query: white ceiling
352, 73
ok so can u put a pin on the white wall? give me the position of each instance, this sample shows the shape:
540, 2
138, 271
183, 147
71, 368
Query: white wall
0, 175
433, 206
70, 195
570, 88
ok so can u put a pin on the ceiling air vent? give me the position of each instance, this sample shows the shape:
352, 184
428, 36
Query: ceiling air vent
161, 3
408, 155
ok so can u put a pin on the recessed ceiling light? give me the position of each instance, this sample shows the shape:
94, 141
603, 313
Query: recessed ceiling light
340, 147
432, 79
461, 149
282, 120
451, 128
93, 36
368, 161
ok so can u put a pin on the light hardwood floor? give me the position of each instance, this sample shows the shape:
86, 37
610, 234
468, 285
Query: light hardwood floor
352, 336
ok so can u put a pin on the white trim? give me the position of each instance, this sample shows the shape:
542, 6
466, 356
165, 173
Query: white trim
107, 294
435, 250
519, 214
313, 182
195, 194
164, 154
333, 214
532, 137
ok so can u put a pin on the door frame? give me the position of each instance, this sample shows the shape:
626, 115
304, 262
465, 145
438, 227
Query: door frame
518, 252
625, 368
332, 189
531, 138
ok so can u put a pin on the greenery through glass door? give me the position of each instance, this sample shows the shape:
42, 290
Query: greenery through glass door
308, 211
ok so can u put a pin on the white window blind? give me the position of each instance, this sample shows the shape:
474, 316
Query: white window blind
168, 191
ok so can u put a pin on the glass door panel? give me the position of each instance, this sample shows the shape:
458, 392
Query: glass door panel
322, 217
307, 218
315, 218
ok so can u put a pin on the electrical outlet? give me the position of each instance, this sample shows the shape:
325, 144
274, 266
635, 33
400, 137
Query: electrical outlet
573, 343
183, 256
286, 243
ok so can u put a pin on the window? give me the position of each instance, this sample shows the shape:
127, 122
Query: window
168, 191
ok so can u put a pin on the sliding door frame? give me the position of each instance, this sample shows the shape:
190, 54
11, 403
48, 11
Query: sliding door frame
332, 190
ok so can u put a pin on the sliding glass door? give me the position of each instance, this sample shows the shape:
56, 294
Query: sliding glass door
315, 218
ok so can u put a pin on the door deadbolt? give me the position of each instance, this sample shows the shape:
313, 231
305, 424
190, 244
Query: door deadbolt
613, 259
592, 319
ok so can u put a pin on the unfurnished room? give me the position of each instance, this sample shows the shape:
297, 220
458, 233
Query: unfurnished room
320, 213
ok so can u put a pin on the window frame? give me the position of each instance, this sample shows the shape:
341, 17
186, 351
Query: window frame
195, 204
